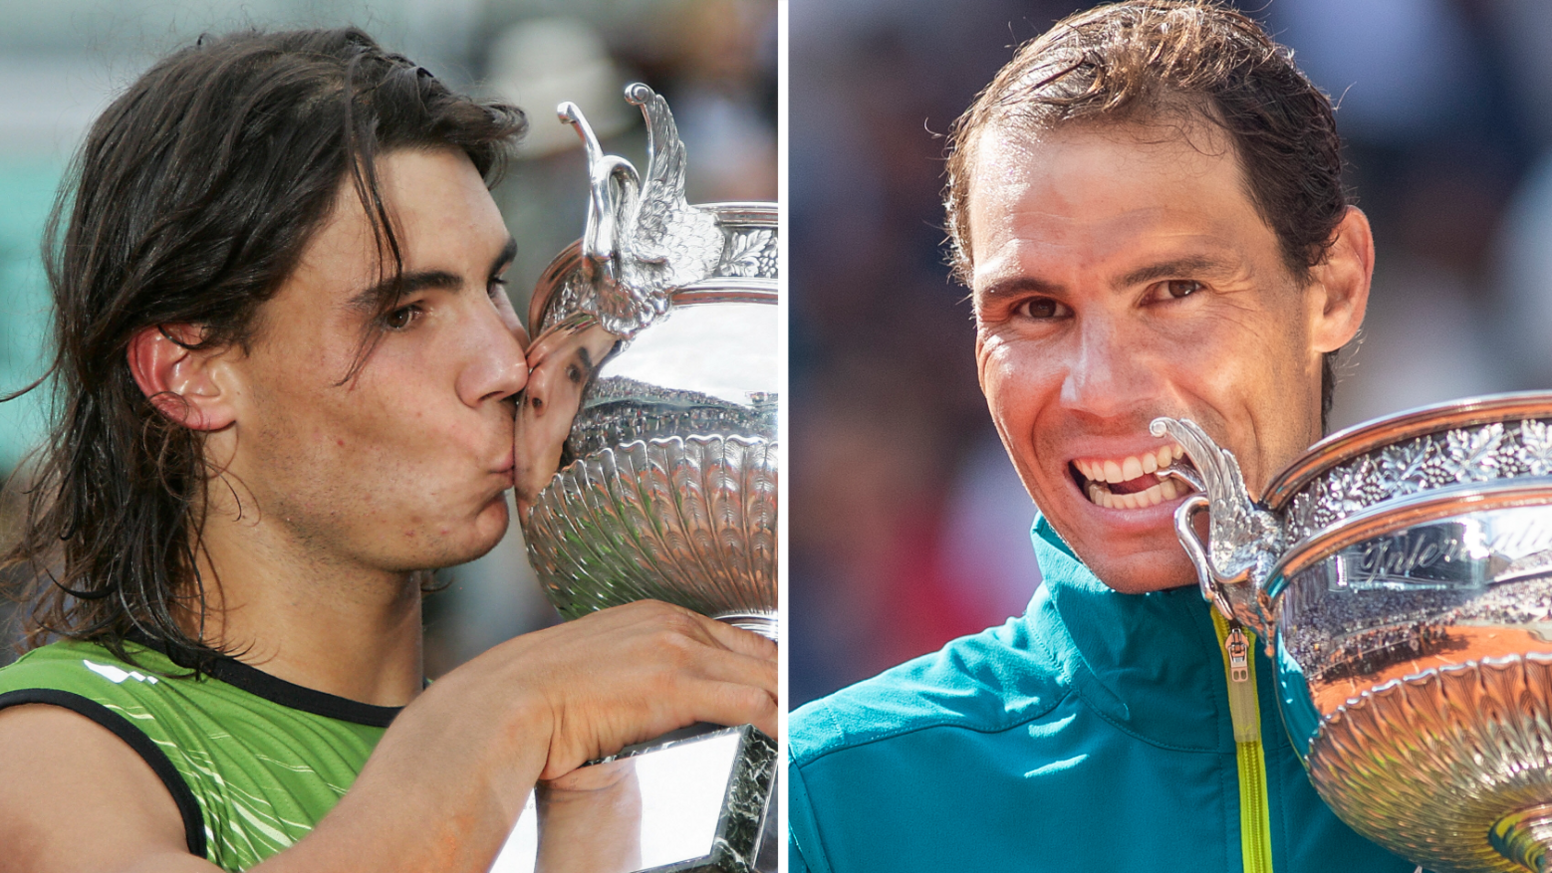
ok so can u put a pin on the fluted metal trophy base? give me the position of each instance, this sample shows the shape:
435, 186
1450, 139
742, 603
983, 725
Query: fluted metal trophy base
1476, 733
1525, 836
689, 520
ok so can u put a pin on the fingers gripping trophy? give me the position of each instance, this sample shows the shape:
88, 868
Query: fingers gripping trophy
647, 461
1401, 574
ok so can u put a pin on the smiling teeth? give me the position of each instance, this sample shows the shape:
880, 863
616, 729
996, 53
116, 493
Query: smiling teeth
1101, 473
1130, 468
1167, 489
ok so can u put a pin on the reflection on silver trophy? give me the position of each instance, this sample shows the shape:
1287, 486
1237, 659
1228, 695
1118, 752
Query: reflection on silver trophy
647, 463
1401, 571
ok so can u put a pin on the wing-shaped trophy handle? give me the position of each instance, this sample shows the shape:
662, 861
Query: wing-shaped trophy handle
1244, 540
643, 238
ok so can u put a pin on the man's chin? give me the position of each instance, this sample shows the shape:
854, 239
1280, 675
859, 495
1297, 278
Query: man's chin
474, 540
490, 527
1133, 585
1143, 572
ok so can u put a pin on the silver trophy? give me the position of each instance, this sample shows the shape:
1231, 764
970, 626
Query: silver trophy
647, 459
1401, 571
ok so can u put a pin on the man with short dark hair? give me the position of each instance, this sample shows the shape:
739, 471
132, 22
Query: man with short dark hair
287, 374
1147, 205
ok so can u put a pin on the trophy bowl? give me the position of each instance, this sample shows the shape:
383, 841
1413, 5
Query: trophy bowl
645, 454
1402, 572
667, 479
646, 438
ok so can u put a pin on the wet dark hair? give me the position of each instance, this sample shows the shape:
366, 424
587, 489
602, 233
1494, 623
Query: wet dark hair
190, 203
1153, 60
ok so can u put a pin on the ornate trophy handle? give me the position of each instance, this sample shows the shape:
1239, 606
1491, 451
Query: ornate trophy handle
643, 238
1244, 540
1212, 582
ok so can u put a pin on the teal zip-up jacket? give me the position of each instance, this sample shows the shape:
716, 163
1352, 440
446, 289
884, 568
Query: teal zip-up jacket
1090, 734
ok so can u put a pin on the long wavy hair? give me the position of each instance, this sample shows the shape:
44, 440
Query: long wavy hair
191, 202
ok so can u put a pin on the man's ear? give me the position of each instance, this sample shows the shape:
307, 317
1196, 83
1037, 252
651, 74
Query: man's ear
1340, 284
189, 385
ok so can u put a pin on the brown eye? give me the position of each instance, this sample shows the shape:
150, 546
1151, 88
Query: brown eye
1178, 288
1040, 307
401, 318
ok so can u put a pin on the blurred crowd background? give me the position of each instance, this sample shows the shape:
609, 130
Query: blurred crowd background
908, 524
715, 60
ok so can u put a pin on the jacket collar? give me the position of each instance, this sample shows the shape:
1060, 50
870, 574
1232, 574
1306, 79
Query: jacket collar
1147, 663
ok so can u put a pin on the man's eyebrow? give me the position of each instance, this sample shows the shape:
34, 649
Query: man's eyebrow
1194, 265
1015, 286
504, 258
376, 298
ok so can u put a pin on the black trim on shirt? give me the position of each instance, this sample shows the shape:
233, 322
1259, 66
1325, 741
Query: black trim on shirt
288, 694
259, 683
150, 752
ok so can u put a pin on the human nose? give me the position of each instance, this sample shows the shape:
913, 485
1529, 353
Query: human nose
1110, 372
497, 367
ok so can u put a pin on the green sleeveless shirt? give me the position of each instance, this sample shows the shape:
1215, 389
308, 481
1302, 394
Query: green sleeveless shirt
252, 761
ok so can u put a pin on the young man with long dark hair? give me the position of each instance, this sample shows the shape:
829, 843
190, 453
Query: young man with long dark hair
286, 377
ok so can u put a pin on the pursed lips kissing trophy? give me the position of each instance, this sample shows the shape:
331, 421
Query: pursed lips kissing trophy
647, 464
1401, 572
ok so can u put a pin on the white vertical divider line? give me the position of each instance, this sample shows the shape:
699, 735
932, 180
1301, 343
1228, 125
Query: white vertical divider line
783, 422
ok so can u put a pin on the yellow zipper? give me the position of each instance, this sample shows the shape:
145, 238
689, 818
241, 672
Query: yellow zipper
1255, 815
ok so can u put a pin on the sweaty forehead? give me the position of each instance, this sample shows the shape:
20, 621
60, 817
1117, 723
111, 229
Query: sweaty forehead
1096, 192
